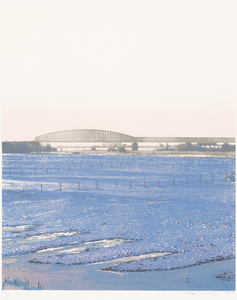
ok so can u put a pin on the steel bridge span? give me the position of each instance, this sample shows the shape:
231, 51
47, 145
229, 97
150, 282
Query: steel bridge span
94, 135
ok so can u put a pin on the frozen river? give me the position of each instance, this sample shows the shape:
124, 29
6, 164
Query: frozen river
120, 216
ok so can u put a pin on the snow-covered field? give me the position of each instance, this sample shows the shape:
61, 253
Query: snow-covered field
121, 213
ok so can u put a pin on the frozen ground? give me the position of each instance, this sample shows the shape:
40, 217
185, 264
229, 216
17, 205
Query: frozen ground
120, 214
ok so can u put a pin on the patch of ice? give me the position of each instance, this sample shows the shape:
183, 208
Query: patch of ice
18, 228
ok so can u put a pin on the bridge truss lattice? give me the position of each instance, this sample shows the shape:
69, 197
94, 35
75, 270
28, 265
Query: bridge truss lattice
94, 135
85, 135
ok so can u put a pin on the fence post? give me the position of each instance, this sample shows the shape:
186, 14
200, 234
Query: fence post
41, 187
173, 181
116, 185
23, 191
158, 183
96, 184
78, 185
130, 185
212, 176
200, 177
187, 179
47, 170
144, 184
21, 173
9, 173
60, 186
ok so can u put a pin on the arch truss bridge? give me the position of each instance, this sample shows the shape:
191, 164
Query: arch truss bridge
94, 135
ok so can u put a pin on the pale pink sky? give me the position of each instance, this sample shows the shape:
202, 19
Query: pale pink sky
145, 68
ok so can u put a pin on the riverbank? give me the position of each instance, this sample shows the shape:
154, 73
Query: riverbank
230, 154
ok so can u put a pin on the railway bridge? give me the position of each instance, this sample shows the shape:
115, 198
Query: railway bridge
95, 135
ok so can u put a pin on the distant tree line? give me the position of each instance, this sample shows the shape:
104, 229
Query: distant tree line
199, 147
25, 147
